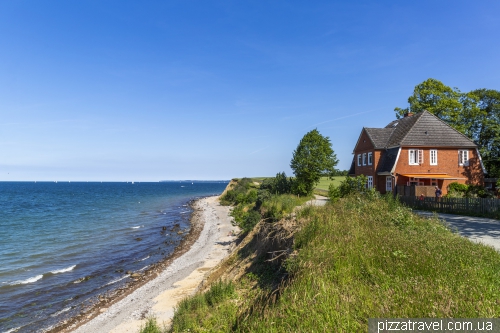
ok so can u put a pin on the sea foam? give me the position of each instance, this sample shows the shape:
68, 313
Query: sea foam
64, 270
29, 280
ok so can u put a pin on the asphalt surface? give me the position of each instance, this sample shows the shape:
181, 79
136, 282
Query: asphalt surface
477, 229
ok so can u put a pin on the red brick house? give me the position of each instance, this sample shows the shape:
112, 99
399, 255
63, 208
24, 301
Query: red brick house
419, 150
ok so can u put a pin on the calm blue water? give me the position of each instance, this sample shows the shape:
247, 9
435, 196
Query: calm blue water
63, 243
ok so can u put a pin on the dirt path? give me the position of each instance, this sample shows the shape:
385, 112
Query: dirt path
318, 201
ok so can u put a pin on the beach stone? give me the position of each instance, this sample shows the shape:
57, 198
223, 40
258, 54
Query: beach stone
135, 275
103, 310
138, 239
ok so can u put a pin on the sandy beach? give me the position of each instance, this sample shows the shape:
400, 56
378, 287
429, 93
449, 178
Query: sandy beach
159, 296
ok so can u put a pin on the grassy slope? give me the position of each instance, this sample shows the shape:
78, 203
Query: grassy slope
358, 259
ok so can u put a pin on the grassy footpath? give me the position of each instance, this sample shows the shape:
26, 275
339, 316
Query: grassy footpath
362, 257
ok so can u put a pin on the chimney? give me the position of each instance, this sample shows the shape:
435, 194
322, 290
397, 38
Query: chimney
408, 114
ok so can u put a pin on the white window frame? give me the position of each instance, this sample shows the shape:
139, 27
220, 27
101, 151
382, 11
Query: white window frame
418, 157
370, 158
463, 157
359, 159
369, 182
364, 158
388, 183
433, 157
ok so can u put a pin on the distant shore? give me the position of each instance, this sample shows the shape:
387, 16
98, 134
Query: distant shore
157, 291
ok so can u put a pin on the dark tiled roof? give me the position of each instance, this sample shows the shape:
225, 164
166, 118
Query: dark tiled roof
388, 159
379, 136
351, 170
425, 129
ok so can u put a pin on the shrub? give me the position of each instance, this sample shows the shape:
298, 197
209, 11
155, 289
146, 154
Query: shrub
348, 186
334, 192
239, 214
262, 196
250, 220
151, 326
278, 185
251, 196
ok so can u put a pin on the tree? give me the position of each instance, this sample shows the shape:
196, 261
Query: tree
485, 130
475, 114
439, 99
313, 158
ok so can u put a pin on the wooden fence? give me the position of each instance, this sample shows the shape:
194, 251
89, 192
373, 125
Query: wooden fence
466, 206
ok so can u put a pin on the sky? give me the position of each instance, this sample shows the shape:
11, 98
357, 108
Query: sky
166, 90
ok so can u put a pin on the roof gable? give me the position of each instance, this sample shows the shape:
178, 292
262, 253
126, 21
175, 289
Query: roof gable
379, 136
425, 129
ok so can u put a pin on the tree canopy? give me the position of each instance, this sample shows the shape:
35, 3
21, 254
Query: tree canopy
313, 158
475, 114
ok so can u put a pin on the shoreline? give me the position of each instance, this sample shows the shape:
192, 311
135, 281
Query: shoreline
153, 292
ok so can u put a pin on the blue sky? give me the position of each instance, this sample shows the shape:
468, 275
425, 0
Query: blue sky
151, 90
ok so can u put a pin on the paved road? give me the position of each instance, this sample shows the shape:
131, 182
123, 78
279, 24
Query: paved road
477, 229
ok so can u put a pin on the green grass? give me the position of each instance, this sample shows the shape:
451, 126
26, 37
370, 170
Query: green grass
362, 257
325, 182
152, 326
194, 312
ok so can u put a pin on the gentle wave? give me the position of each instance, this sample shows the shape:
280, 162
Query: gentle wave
64, 270
137, 227
30, 280
117, 280
145, 258
59, 312
12, 330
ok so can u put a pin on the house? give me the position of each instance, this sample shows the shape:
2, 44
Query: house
416, 150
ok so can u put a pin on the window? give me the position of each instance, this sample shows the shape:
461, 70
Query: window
359, 159
369, 182
434, 182
463, 157
388, 183
415, 182
370, 158
364, 159
416, 156
434, 157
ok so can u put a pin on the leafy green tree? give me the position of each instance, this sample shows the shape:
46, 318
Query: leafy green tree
485, 129
439, 99
475, 114
313, 158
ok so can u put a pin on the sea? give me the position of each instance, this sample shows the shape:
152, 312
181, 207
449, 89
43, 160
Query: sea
63, 244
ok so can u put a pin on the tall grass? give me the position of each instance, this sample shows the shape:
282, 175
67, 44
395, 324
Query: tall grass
278, 206
368, 258
194, 312
362, 257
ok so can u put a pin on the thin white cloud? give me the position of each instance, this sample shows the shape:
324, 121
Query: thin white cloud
258, 150
339, 118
